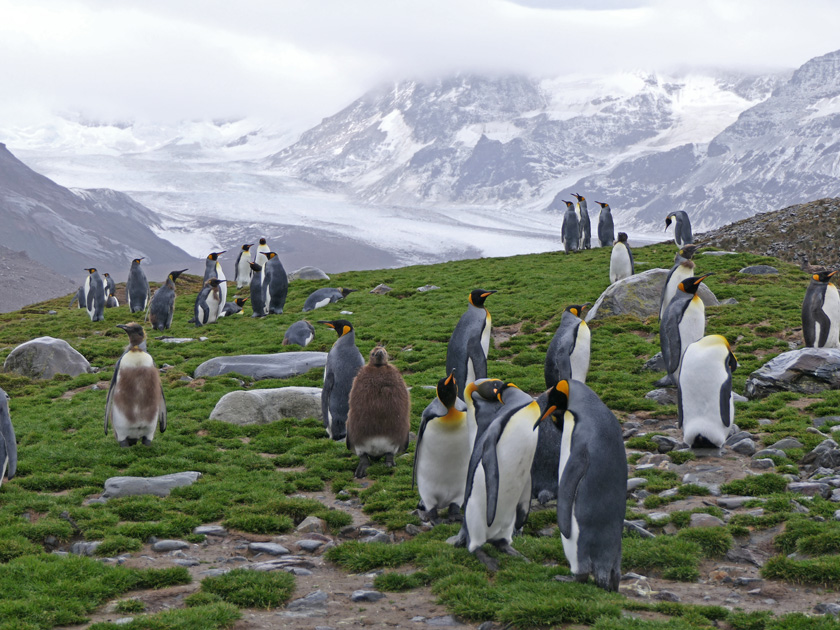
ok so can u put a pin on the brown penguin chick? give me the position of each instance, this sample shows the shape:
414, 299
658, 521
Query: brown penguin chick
380, 408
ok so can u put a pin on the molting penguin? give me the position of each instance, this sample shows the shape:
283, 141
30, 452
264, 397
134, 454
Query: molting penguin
276, 284
206, 309
442, 453
322, 297
343, 362
821, 312
683, 323
94, 296
300, 333
466, 353
257, 293
570, 232
568, 352
135, 404
591, 483
683, 268
136, 287
483, 404
682, 228
242, 268
162, 305
379, 419
606, 228
8, 444
621, 260
213, 269
704, 393
235, 307
585, 223
498, 491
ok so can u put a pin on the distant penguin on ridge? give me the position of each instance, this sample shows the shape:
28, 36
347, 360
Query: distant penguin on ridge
8, 443
469, 344
570, 232
585, 223
162, 304
94, 295
621, 260
136, 287
242, 268
343, 363
821, 312
606, 228
682, 227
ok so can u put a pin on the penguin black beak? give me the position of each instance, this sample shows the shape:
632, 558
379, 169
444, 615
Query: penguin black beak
703, 277
330, 324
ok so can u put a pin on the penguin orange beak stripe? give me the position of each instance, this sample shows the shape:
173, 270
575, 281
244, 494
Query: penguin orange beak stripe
548, 412
705, 275
449, 379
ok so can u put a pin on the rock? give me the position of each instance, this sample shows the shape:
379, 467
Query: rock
663, 396
810, 489
655, 364
659, 518
818, 422
759, 270
700, 519
381, 289
282, 563
762, 464
45, 357
272, 549
186, 562
837, 515
170, 545
742, 554
664, 443
805, 371
744, 447
175, 340
307, 273
312, 605
84, 548
210, 530
158, 486
312, 524
310, 545
262, 406
427, 287
215, 572
366, 596
768, 452
638, 295
737, 437
786, 443
667, 596
827, 609
635, 482
738, 398
261, 366
733, 503
671, 492
719, 253
439, 622
825, 455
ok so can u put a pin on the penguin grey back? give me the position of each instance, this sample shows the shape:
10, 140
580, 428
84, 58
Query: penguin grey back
94, 295
343, 363
570, 232
546, 458
469, 344
276, 282
136, 287
682, 227
257, 293
558, 364
300, 333
327, 295
585, 223
606, 228
162, 305
8, 443
821, 312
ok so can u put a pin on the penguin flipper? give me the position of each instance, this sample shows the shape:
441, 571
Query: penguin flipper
725, 397
630, 256
162, 411
109, 399
326, 392
523, 508
574, 471
825, 325
490, 461
423, 422
479, 360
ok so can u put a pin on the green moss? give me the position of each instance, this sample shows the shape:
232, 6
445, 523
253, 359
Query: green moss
757, 485
252, 589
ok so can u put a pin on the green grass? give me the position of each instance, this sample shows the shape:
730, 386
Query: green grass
252, 474
252, 589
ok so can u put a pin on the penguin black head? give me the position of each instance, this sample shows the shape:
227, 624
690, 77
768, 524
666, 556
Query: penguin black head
688, 251
91, 270
378, 356
174, 274
576, 309
690, 285
214, 282
578, 197
345, 292
569, 204
823, 276
136, 261
215, 255
622, 237
106, 275
501, 389
136, 333
255, 267
341, 326
270, 255
241, 301
488, 389
447, 391
477, 297
247, 246
668, 220
262, 241
602, 204
557, 402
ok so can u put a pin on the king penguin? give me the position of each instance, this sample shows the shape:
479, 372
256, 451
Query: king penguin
257, 292
8, 443
322, 297
235, 307
682, 228
591, 483
442, 453
466, 352
683, 268
821, 312
262, 250
570, 232
300, 333
94, 295
111, 301
276, 284
162, 304
213, 269
585, 223
206, 309
568, 353
136, 287
483, 404
135, 404
606, 228
683, 323
621, 260
108, 284
704, 394
242, 268
343, 363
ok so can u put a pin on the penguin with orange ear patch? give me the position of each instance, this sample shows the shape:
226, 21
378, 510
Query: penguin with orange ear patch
683, 323
343, 363
821, 312
466, 353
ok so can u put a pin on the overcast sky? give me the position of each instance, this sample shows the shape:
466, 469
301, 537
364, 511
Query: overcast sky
165, 60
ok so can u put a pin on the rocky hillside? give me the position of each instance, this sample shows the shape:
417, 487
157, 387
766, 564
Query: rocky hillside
25, 281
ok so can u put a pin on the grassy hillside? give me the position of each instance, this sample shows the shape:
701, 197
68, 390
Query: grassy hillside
250, 473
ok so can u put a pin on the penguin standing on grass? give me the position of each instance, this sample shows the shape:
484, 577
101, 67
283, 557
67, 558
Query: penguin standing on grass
821, 312
591, 483
262, 250
585, 223
78, 298
208, 303
606, 228
570, 232
136, 287
483, 404
235, 307
682, 228
213, 269
683, 268
704, 393
621, 260
108, 284
343, 363
568, 352
257, 293
276, 284
162, 305
135, 405
683, 323
111, 301
466, 353
442, 453
242, 268
8, 443
94, 295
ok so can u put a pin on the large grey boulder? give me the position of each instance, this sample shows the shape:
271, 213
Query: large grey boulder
806, 371
45, 357
639, 295
307, 273
261, 406
158, 486
260, 366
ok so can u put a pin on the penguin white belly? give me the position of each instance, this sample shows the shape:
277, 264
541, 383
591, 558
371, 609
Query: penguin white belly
620, 267
222, 288
579, 358
692, 327
831, 308
3, 469
470, 371
703, 374
212, 309
443, 464
570, 545
680, 274
376, 446
475, 512
485, 336
321, 303
308, 339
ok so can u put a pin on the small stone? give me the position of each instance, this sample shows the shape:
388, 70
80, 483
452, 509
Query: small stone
705, 520
427, 287
657, 518
747, 581
759, 270
186, 562
737, 436
827, 609
818, 422
366, 596
311, 524
665, 443
663, 396
122, 621
787, 443
170, 545
742, 554
412, 530
667, 494
744, 447
635, 482
418, 619
768, 452
215, 572
210, 530
447, 620
733, 503
310, 545
632, 576
667, 596
762, 464
764, 421
272, 549
756, 512
381, 537
84, 548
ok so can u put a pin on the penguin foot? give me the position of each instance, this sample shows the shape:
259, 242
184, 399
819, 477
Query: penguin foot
491, 563
666, 381
545, 496
504, 547
124, 443
430, 515
389, 460
146, 441
578, 577
361, 469
454, 515
458, 540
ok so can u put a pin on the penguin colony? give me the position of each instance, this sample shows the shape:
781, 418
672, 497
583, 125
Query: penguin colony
484, 447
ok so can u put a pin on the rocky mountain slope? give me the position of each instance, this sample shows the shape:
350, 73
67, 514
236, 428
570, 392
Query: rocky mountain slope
25, 281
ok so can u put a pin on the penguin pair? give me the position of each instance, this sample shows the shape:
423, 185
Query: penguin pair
606, 228
469, 345
821, 312
322, 297
93, 292
135, 405
621, 260
343, 363
162, 304
8, 443
570, 232
683, 323
136, 288
682, 228
213, 269
683, 268
585, 225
